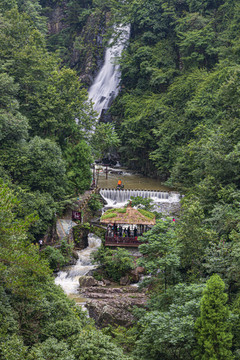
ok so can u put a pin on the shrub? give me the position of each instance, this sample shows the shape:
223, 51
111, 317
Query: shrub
115, 262
94, 203
55, 257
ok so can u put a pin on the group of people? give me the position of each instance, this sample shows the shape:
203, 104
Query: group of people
114, 230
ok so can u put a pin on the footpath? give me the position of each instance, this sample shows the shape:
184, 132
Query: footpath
65, 223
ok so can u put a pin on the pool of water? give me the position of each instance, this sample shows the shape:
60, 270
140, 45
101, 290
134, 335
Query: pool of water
130, 180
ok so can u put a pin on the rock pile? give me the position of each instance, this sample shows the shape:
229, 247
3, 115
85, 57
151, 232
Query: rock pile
111, 305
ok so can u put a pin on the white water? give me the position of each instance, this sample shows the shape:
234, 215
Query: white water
105, 86
118, 198
69, 280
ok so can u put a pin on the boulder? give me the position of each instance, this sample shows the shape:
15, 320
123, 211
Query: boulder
113, 306
87, 281
124, 280
135, 274
107, 282
75, 254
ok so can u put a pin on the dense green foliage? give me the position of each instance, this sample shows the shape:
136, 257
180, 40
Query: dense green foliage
213, 327
178, 73
94, 203
116, 263
44, 118
58, 257
161, 252
177, 117
37, 321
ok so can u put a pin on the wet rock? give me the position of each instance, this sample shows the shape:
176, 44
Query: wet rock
107, 282
75, 254
136, 273
86, 281
124, 280
113, 305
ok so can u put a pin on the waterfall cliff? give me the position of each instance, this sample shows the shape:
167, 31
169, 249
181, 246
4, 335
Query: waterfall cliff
106, 84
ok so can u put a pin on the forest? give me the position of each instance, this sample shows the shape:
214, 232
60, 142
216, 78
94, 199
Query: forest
176, 118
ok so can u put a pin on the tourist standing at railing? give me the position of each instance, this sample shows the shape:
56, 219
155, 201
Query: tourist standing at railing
135, 231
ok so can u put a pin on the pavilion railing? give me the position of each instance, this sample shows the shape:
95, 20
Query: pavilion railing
121, 240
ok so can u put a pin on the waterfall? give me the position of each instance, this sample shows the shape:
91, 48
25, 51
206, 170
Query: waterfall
105, 86
69, 279
121, 197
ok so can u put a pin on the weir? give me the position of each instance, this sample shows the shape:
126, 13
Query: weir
122, 196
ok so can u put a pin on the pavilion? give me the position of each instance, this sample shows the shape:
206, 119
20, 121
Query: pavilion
125, 225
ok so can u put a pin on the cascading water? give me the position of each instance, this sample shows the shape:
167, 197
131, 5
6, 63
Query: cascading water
117, 198
105, 86
69, 279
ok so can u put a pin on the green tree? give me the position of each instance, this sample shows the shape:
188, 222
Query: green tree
169, 334
94, 203
161, 252
79, 158
116, 263
21, 268
213, 328
92, 344
142, 203
193, 235
104, 139
37, 165
13, 126
51, 349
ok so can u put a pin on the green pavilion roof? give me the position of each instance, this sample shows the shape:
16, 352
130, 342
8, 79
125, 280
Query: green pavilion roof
129, 216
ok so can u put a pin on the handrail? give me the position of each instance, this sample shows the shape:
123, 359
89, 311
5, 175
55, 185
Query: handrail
127, 240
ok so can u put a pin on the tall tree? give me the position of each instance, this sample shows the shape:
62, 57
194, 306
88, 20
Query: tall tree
213, 328
161, 252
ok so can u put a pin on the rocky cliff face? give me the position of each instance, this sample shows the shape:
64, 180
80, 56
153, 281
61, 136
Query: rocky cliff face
88, 51
56, 16
81, 44
109, 305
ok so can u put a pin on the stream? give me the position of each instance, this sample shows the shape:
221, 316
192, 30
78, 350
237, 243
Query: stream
68, 278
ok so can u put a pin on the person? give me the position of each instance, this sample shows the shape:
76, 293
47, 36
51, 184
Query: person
120, 230
40, 243
120, 184
135, 231
128, 231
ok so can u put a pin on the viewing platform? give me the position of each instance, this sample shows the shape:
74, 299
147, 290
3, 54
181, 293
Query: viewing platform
122, 241
124, 225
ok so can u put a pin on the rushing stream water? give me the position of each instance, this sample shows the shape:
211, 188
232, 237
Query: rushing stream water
68, 279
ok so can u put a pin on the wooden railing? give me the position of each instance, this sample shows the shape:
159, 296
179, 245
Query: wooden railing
121, 241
